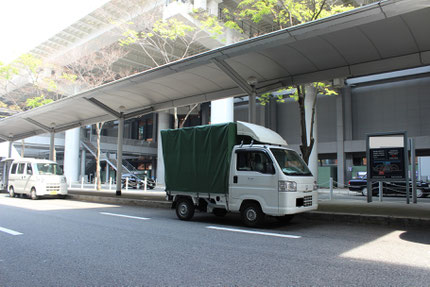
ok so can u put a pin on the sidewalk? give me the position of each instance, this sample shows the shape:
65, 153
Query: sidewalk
396, 213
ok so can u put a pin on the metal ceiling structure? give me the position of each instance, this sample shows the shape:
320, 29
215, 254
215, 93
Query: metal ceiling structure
386, 36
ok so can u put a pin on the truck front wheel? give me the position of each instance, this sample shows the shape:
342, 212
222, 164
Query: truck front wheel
185, 209
252, 215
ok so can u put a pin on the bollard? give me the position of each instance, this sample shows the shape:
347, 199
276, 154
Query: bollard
126, 184
110, 183
95, 183
82, 183
145, 183
331, 188
380, 191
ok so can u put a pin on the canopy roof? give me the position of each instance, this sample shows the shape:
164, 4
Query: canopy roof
386, 36
260, 133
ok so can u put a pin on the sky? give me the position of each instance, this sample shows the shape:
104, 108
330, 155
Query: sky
25, 24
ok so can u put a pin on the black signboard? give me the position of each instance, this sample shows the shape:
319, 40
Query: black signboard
387, 163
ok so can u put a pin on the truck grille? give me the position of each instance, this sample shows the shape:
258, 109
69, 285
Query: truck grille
53, 187
307, 200
304, 201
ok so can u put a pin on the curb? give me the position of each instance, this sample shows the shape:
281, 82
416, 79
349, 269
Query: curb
125, 201
366, 219
313, 215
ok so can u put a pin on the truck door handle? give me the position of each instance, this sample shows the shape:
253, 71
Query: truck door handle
250, 178
235, 179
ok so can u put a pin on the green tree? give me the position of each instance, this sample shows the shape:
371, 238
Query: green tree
37, 101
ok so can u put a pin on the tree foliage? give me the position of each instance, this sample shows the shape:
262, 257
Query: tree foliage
287, 13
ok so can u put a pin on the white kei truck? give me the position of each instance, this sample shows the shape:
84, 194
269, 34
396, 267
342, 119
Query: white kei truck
235, 167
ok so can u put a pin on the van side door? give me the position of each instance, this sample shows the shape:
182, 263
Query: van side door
20, 178
27, 182
13, 177
254, 177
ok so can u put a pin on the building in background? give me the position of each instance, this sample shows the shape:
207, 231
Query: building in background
390, 102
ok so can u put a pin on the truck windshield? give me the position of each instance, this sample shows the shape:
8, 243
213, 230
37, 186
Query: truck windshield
290, 162
49, 168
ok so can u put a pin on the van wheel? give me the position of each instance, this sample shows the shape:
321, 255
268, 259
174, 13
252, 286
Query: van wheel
252, 215
185, 209
33, 194
285, 219
219, 212
12, 192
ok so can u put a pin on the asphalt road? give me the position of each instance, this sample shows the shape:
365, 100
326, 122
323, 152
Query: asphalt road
70, 243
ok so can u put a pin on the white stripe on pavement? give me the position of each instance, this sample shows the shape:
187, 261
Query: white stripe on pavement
10, 231
254, 232
122, 215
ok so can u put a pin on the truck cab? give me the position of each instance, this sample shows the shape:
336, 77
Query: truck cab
272, 177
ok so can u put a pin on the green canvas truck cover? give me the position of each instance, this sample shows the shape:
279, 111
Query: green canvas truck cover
197, 159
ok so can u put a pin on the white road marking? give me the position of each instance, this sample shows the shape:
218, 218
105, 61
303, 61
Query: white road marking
122, 215
10, 231
254, 232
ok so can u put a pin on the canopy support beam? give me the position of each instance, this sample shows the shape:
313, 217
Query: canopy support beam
37, 124
249, 88
104, 107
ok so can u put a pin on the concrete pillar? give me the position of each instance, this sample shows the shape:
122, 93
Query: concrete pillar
200, 4
213, 8
311, 96
347, 125
119, 154
340, 141
163, 123
222, 111
71, 154
52, 146
107, 172
252, 112
154, 127
83, 164
9, 151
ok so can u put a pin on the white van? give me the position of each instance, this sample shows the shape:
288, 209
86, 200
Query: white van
36, 178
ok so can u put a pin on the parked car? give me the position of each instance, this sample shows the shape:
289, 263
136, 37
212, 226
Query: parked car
36, 178
135, 181
360, 185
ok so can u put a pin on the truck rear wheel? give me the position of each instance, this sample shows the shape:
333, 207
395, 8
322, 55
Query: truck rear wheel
252, 215
185, 209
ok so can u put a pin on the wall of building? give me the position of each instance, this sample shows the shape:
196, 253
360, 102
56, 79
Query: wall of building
395, 106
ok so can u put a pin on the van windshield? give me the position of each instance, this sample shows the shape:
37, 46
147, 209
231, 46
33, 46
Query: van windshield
290, 162
49, 168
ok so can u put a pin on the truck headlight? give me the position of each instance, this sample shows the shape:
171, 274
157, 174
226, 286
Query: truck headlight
287, 186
